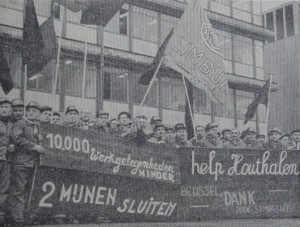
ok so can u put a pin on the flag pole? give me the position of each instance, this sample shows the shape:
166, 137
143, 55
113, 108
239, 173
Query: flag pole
152, 81
25, 83
84, 66
189, 104
268, 106
58, 51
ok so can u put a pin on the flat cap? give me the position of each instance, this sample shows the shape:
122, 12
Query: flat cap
159, 126
179, 126
72, 108
46, 108
33, 104
4, 100
210, 126
17, 103
275, 130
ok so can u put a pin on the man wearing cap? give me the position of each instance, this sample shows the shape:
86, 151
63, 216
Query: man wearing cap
159, 133
125, 124
56, 118
101, 123
295, 136
181, 137
235, 141
226, 135
6, 147
27, 138
71, 117
261, 139
46, 114
196, 142
114, 127
85, 117
273, 143
17, 110
250, 139
211, 140
285, 142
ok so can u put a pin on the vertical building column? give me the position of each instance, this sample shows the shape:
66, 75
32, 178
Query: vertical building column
255, 76
296, 17
235, 109
130, 76
23, 79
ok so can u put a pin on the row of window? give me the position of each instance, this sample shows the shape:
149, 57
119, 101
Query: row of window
281, 21
118, 82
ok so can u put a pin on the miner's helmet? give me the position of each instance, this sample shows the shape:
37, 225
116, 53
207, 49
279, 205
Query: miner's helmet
33, 104
4, 100
17, 103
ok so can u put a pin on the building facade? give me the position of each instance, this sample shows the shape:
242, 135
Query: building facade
131, 40
282, 56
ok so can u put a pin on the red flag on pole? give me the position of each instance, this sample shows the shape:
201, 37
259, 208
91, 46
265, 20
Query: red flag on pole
261, 98
5, 77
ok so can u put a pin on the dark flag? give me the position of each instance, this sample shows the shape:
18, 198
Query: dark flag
261, 98
49, 51
100, 12
96, 12
32, 35
188, 115
5, 78
149, 73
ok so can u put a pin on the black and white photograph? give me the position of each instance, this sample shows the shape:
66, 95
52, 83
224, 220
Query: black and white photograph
149, 113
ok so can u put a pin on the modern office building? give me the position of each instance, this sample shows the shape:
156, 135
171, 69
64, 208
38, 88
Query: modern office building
282, 55
131, 41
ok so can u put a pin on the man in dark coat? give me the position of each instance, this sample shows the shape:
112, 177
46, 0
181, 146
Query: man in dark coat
26, 137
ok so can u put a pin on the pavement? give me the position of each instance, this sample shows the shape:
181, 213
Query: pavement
211, 223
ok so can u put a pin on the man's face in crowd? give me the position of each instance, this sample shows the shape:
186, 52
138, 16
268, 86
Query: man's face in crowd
102, 119
5, 109
141, 123
85, 115
251, 136
181, 134
160, 132
260, 139
170, 133
18, 112
274, 136
200, 131
72, 116
296, 136
124, 120
285, 141
46, 116
227, 135
33, 114
114, 124
213, 132
235, 134
55, 119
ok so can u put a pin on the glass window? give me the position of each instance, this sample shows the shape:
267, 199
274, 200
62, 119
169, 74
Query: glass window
139, 91
242, 10
123, 21
167, 23
145, 24
226, 109
201, 101
279, 24
243, 100
243, 52
290, 30
224, 39
220, 6
90, 82
13, 4
73, 73
244, 5
13, 58
115, 84
259, 53
270, 21
173, 93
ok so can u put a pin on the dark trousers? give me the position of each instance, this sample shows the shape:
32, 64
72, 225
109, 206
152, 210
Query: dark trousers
4, 184
20, 188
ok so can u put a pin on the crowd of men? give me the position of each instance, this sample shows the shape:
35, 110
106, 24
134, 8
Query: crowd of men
20, 143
